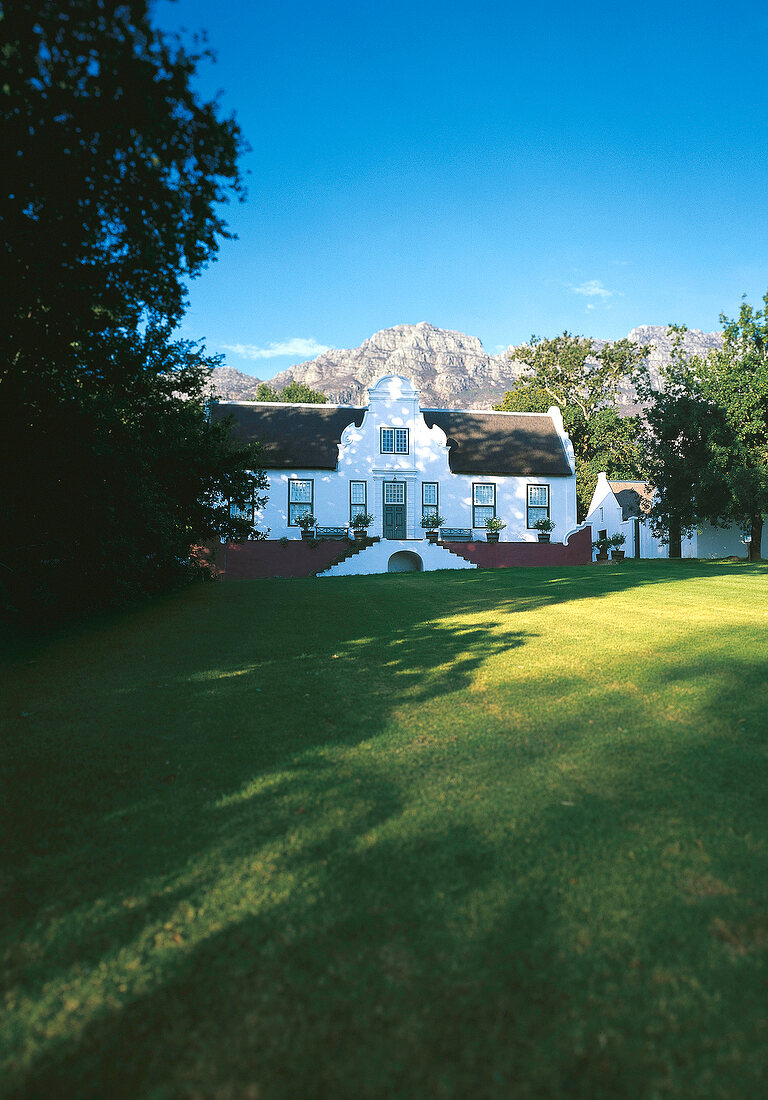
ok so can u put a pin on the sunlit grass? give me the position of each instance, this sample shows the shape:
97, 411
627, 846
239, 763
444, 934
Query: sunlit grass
483, 834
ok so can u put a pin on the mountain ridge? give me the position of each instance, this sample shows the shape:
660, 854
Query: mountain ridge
450, 368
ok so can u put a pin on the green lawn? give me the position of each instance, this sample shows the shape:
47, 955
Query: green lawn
488, 834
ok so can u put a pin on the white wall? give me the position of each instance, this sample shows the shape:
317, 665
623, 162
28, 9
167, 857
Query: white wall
605, 515
394, 403
604, 510
717, 542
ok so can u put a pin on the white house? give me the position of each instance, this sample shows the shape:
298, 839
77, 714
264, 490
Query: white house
623, 506
399, 461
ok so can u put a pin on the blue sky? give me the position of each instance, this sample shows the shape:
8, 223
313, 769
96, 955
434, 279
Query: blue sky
497, 168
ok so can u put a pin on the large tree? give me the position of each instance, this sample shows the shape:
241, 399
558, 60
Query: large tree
583, 380
707, 435
110, 201
131, 473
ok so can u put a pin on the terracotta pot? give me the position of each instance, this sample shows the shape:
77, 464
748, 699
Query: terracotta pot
544, 536
617, 555
492, 536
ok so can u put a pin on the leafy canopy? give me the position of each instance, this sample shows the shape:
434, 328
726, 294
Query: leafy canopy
707, 433
295, 393
583, 379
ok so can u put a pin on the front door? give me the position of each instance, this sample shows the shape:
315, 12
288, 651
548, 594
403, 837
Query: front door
394, 509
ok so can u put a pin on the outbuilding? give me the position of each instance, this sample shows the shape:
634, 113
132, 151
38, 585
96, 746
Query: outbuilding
624, 506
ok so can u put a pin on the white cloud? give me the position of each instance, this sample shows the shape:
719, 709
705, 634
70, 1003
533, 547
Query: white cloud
593, 289
308, 349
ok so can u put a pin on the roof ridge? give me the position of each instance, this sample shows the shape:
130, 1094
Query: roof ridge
294, 405
359, 408
488, 412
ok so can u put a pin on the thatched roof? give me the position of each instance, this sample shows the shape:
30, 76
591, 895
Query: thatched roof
635, 497
501, 443
298, 437
306, 437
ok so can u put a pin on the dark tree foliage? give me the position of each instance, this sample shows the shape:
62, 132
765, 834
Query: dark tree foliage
110, 197
707, 434
295, 393
570, 372
130, 475
113, 175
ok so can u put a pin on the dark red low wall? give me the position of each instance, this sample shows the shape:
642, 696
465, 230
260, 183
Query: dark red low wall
272, 558
504, 554
294, 558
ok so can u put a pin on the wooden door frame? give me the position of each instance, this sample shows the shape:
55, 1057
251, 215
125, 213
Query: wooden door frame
385, 505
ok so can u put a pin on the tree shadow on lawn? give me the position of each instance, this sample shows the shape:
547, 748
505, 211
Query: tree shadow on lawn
364, 926
595, 950
116, 819
542, 587
179, 750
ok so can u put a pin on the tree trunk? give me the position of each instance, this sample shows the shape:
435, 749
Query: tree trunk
675, 540
757, 537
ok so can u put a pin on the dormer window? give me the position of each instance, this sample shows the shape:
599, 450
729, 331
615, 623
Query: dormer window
394, 441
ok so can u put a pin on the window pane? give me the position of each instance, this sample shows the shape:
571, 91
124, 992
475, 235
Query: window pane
430, 493
481, 514
241, 511
538, 496
401, 441
356, 510
387, 441
394, 492
296, 510
357, 492
537, 513
484, 494
300, 491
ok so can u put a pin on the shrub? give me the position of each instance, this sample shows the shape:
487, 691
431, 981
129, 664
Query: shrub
362, 520
433, 521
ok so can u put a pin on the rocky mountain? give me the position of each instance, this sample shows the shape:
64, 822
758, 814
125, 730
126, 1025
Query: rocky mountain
234, 385
659, 344
451, 369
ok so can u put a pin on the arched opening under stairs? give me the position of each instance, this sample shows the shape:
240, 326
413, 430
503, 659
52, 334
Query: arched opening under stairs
405, 561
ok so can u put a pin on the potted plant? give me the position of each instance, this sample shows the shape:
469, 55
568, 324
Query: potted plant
545, 527
360, 524
432, 524
602, 545
307, 522
617, 541
492, 527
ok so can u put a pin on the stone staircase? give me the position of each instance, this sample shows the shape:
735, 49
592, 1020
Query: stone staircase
395, 556
351, 549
